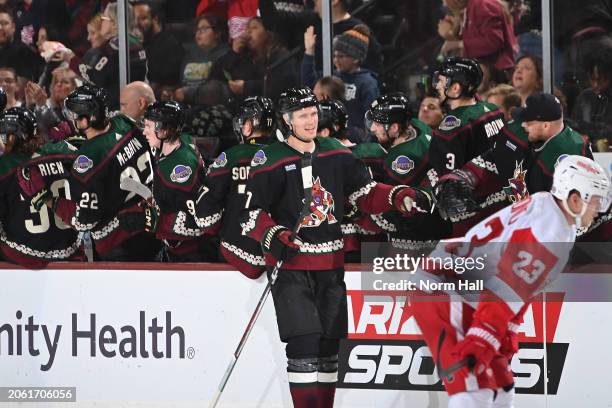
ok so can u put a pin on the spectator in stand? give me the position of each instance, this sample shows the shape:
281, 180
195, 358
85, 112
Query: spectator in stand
104, 71
236, 63
486, 33
8, 82
237, 13
265, 52
210, 45
593, 109
491, 77
95, 38
287, 19
329, 88
527, 76
361, 86
134, 99
430, 111
14, 53
505, 97
31, 16
343, 21
48, 41
49, 110
164, 51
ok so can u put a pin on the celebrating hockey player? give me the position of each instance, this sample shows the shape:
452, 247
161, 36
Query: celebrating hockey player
31, 235
310, 294
521, 163
406, 163
468, 129
225, 190
114, 149
472, 334
177, 175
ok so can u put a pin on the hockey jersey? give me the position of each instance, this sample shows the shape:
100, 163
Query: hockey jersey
226, 182
464, 133
104, 70
96, 194
407, 163
29, 237
177, 178
358, 227
514, 168
516, 252
275, 196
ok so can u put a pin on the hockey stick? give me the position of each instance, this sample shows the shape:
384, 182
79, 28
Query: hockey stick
307, 184
449, 371
136, 187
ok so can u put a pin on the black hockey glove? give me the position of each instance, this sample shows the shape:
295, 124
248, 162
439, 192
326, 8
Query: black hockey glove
454, 194
277, 241
134, 219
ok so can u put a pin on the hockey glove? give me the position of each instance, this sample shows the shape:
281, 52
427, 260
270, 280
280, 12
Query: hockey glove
509, 343
454, 193
410, 201
33, 186
478, 348
278, 242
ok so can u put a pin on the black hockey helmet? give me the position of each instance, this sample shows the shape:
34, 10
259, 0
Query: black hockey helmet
388, 109
87, 101
258, 109
17, 121
296, 98
168, 114
3, 99
464, 71
332, 116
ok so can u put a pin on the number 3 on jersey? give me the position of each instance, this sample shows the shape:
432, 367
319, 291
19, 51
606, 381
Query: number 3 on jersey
450, 161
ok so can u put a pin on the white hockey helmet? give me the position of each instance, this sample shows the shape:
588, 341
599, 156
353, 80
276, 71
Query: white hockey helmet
584, 175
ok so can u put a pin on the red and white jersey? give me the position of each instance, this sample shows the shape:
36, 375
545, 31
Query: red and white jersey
513, 254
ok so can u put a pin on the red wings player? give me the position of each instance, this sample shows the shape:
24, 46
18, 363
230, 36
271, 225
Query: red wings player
524, 246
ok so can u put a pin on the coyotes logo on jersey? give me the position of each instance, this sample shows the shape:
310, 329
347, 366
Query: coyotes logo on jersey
516, 190
321, 206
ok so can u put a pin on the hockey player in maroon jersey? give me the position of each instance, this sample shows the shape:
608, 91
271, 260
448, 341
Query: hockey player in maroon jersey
468, 129
225, 195
522, 162
114, 149
522, 248
309, 294
31, 235
177, 175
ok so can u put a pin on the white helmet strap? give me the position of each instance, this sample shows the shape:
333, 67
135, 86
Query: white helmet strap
577, 216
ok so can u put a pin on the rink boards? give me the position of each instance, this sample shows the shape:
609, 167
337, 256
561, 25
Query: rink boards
161, 338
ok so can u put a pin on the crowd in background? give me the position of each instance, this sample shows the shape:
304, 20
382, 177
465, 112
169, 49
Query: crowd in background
210, 54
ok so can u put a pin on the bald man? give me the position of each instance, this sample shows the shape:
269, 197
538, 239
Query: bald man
134, 99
